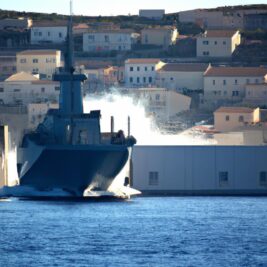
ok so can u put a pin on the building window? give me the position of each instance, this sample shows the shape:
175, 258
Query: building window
131, 68
42, 89
91, 38
157, 97
23, 60
36, 70
131, 79
213, 82
205, 42
138, 80
152, 68
215, 42
256, 81
263, 178
206, 53
60, 34
223, 178
57, 88
236, 82
35, 60
224, 82
138, 68
48, 33
227, 117
241, 118
40, 34
150, 79
144, 79
248, 81
145, 68
235, 93
1, 89
153, 178
106, 37
224, 42
16, 90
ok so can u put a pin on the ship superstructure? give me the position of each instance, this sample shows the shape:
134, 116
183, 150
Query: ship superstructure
68, 151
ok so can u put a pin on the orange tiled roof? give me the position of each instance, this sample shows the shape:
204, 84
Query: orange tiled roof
142, 61
234, 110
235, 71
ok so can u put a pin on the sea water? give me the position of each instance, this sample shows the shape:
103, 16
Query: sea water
154, 231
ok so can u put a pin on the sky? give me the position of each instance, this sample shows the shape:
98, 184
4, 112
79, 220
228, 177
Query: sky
115, 7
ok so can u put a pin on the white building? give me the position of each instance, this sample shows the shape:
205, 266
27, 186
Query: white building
163, 103
200, 170
48, 32
156, 14
182, 76
217, 43
228, 84
109, 40
43, 62
141, 72
23, 88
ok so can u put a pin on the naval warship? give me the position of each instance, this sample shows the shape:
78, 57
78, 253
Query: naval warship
68, 151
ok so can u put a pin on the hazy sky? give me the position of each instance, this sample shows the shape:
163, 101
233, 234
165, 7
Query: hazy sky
115, 7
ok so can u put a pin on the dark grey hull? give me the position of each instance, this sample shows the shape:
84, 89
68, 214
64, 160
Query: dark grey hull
74, 168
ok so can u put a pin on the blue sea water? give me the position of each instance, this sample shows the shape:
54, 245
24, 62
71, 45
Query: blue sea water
168, 231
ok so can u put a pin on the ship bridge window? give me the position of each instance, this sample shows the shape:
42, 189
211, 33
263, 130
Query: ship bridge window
153, 178
263, 178
223, 178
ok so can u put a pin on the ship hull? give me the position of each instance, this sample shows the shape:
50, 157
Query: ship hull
74, 168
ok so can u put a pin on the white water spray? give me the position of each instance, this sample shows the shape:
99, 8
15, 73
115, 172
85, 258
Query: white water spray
142, 127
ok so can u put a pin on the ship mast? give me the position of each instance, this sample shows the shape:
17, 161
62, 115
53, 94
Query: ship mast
69, 49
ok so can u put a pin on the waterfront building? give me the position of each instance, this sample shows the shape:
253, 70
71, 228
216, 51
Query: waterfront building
228, 84
217, 43
155, 14
43, 62
182, 76
109, 40
141, 72
231, 118
48, 32
200, 169
24, 88
159, 36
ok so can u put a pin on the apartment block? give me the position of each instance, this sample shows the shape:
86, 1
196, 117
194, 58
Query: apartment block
228, 84
24, 88
182, 76
141, 72
48, 32
109, 40
217, 43
43, 62
231, 118
160, 36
